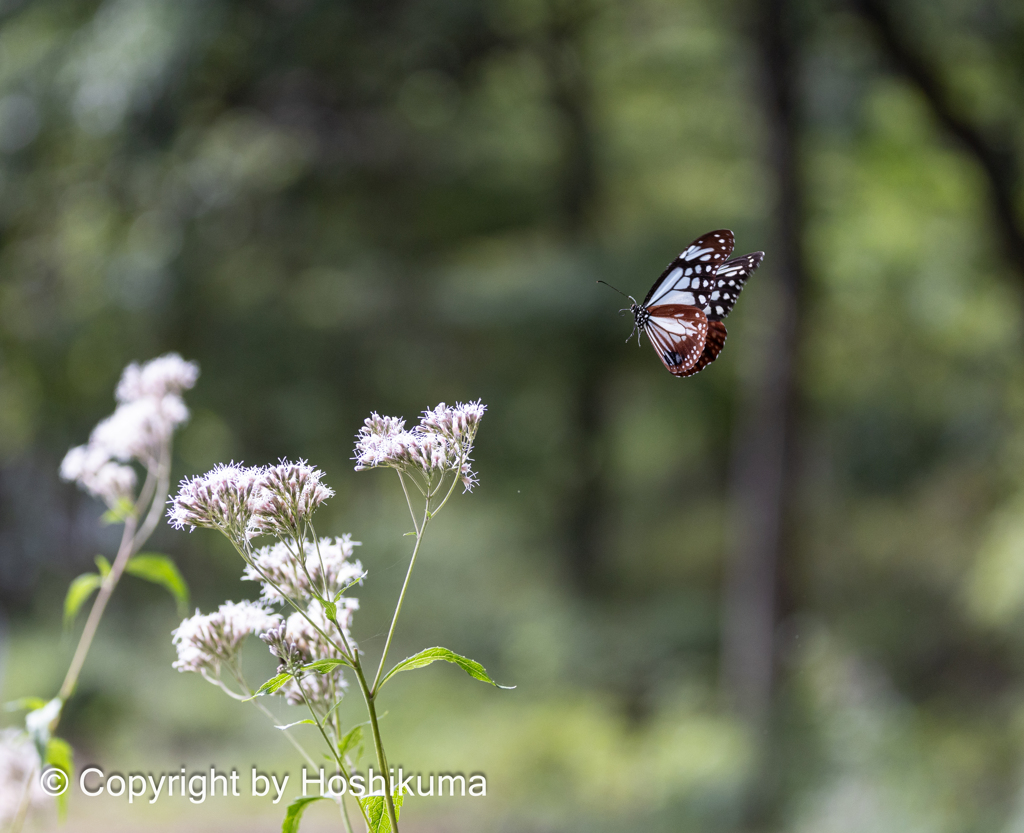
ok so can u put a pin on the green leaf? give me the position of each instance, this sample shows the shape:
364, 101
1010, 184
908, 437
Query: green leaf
271, 685
295, 811
350, 740
38, 723
296, 723
323, 666
331, 609
354, 581
102, 565
60, 755
429, 655
120, 512
79, 590
377, 812
25, 704
159, 569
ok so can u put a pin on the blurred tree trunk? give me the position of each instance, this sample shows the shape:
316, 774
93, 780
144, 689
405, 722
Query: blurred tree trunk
995, 157
585, 498
764, 444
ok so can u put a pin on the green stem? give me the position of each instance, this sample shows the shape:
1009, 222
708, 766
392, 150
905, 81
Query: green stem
298, 608
378, 746
132, 538
323, 569
124, 552
455, 482
240, 678
401, 596
334, 753
408, 502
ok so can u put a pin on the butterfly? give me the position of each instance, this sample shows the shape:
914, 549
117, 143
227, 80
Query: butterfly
682, 314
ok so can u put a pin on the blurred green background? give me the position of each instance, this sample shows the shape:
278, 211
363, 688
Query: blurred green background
782, 595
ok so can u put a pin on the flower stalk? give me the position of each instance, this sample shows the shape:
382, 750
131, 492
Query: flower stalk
138, 433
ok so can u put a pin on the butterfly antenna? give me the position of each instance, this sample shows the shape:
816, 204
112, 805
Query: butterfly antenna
623, 294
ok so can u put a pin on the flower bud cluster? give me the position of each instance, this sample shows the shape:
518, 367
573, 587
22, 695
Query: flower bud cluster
150, 409
245, 501
205, 641
442, 442
276, 639
280, 563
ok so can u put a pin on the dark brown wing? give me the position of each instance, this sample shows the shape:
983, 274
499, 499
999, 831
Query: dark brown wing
713, 345
695, 266
721, 292
677, 333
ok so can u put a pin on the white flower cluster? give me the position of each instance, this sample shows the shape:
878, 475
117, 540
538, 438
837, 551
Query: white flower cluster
245, 501
150, 409
220, 499
280, 563
19, 762
205, 641
288, 494
442, 442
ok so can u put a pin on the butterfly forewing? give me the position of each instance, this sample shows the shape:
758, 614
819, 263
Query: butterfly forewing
677, 333
724, 288
693, 270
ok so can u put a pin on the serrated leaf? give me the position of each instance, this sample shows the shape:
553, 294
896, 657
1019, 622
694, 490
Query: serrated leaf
159, 569
331, 610
323, 666
271, 685
295, 810
60, 754
78, 592
296, 723
429, 655
102, 565
24, 704
377, 812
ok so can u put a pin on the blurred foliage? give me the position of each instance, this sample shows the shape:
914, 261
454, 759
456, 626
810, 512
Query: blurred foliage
339, 207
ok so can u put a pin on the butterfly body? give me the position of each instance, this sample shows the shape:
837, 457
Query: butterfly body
682, 313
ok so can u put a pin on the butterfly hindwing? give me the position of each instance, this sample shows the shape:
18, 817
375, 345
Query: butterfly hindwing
678, 333
724, 288
694, 269
713, 345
